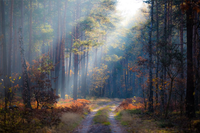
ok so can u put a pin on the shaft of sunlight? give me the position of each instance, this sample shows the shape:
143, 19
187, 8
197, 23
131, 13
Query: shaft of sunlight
127, 9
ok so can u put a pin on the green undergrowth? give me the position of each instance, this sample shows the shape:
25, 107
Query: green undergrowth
102, 116
69, 121
137, 121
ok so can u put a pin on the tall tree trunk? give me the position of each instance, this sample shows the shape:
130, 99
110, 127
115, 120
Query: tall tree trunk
157, 50
133, 91
15, 49
170, 93
114, 82
77, 15
86, 71
83, 76
30, 33
44, 21
63, 54
163, 75
150, 61
190, 110
26, 94
58, 50
182, 69
5, 73
10, 41
197, 68
70, 60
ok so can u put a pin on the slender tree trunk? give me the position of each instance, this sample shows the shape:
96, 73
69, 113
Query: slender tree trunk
86, 71
58, 50
30, 33
77, 15
114, 82
143, 92
195, 59
182, 72
63, 54
157, 45
10, 41
26, 94
69, 70
83, 76
197, 68
4, 57
133, 91
190, 110
15, 49
170, 93
44, 21
163, 75
150, 62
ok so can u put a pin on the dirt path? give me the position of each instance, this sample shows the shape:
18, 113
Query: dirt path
88, 127
115, 126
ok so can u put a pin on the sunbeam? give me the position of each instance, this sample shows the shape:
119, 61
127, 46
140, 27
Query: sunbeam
127, 9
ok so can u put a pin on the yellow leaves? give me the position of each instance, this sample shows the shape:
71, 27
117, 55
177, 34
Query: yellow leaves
19, 77
71, 72
193, 93
10, 89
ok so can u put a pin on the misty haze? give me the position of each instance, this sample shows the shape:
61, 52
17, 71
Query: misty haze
99, 66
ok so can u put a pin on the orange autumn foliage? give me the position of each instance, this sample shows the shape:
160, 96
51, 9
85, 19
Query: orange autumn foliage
69, 105
187, 4
131, 103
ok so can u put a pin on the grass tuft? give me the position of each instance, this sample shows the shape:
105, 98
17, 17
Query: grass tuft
102, 116
69, 121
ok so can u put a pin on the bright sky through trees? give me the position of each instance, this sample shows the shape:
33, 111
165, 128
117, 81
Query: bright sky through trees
128, 8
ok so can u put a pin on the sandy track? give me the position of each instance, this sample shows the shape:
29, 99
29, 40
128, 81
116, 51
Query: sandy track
88, 127
115, 126
87, 122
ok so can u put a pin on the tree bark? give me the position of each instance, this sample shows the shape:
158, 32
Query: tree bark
150, 109
63, 54
182, 69
190, 110
58, 49
10, 41
30, 33
77, 15
4, 51
157, 45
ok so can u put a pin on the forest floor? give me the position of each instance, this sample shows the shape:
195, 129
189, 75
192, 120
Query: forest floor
97, 116
117, 116
102, 120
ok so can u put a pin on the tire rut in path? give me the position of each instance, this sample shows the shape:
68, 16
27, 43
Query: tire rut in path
87, 122
114, 125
